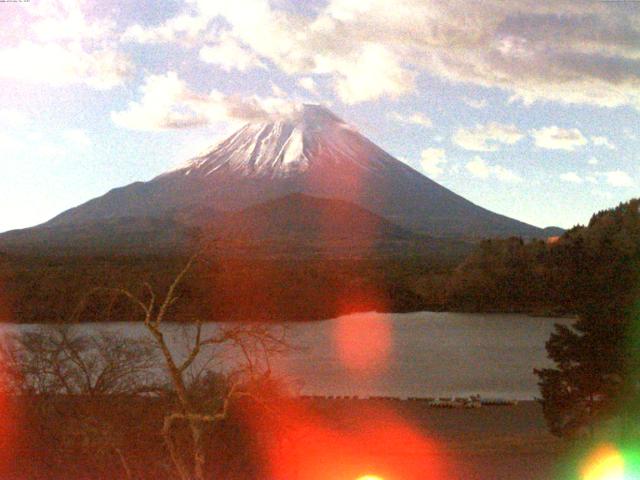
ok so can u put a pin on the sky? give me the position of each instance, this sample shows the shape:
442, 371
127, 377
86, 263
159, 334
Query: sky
528, 108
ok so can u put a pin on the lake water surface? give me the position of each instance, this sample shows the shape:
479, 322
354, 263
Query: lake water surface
405, 355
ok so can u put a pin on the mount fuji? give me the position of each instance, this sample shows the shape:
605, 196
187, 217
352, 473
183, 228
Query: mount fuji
310, 153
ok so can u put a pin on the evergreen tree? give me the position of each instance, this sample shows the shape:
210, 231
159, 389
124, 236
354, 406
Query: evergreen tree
595, 362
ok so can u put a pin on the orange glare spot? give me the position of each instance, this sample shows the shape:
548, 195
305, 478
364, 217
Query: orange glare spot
363, 341
376, 440
605, 464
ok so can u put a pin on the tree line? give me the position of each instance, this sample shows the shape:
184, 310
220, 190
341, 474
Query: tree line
587, 268
47, 289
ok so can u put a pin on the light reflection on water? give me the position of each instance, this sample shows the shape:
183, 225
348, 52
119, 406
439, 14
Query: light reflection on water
431, 354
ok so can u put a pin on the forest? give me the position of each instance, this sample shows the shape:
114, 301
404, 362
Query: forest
585, 269
550, 277
49, 289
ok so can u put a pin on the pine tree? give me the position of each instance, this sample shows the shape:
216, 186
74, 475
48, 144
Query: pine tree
595, 374
587, 382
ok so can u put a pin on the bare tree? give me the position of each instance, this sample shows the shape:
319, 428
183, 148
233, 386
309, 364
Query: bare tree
255, 345
62, 359
71, 377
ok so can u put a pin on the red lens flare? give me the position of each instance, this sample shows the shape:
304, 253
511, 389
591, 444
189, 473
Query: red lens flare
375, 439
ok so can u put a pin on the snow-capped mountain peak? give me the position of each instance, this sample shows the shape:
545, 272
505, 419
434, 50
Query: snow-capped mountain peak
279, 148
312, 152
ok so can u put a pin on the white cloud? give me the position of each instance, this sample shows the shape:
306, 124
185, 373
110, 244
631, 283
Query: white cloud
363, 69
168, 103
64, 65
481, 169
506, 175
432, 160
371, 73
546, 51
556, 138
602, 142
309, 84
629, 134
66, 20
277, 91
55, 43
477, 103
618, 178
486, 138
416, 118
186, 28
559, 51
478, 168
229, 55
571, 177
593, 161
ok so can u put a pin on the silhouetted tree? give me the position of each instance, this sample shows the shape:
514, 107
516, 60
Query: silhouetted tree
587, 382
65, 359
67, 376
595, 358
255, 345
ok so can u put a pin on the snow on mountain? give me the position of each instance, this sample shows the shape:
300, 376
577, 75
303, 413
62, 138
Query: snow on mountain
282, 148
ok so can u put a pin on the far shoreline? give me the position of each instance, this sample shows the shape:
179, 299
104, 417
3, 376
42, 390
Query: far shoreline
537, 315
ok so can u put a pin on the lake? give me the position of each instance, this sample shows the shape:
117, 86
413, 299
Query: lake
418, 354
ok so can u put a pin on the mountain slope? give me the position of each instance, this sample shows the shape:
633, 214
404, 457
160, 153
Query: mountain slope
298, 225
122, 235
305, 218
314, 153
295, 225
